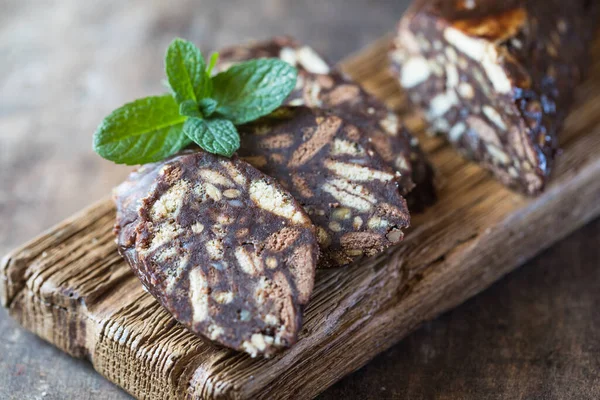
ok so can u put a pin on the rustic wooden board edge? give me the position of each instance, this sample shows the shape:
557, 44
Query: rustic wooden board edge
391, 295
13, 265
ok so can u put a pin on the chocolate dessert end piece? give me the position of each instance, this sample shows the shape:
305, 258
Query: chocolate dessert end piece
224, 248
497, 78
322, 86
330, 167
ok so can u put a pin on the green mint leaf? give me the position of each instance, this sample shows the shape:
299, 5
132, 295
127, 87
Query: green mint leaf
207, 106
218, 136
214, 57
253, 88
144, 131
189, 108
186, 71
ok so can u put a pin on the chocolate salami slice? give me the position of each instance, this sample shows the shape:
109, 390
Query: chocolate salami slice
221, 246
321, 86
496, 77
329, 166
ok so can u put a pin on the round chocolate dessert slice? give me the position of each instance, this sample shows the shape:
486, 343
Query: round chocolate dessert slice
224, 248
497, 78
321, 85
330, 167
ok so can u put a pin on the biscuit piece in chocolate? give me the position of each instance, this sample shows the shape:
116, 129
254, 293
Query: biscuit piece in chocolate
223, 248
329, 166
322, 86
496, 77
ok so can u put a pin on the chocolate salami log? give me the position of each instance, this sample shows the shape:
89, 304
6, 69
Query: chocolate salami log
330, 167
497, 77
227, 251
321, 86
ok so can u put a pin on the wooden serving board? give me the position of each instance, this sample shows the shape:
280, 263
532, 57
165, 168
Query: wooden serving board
71, 288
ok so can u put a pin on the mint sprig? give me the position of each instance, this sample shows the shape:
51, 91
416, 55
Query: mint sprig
143, 131
217, 136
201, 108
253, 88
186, 72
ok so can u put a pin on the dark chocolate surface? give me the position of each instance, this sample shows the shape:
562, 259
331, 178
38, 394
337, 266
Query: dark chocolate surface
497, 77
223, 247
330, 167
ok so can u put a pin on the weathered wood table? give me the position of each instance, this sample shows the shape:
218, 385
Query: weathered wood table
66, 64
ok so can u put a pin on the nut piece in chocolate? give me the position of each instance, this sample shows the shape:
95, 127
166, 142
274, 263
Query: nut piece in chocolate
330, 167
322, 86
497, 77
224, 248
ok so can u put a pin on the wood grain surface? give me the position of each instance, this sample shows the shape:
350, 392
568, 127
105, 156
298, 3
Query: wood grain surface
532, 336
